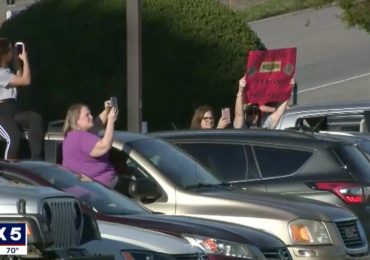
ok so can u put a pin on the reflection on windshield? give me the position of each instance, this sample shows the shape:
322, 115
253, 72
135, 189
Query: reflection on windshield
90, 193
174, 164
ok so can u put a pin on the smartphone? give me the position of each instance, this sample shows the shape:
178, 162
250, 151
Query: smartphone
225, 112
113, 101
19, 46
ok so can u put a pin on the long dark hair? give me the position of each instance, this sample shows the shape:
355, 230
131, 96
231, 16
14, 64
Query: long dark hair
5, 47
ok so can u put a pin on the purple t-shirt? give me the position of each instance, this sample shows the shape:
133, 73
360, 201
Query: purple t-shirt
77, 146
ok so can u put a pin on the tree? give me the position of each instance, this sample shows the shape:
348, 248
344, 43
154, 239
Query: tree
356, 13
194, 52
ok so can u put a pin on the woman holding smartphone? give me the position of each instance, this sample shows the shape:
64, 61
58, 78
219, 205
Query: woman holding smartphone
203, 119
84, 151
12, 120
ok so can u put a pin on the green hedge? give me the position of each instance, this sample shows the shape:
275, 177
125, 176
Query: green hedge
193, 53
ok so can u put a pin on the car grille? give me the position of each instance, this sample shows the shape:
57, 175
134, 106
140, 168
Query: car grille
65, 220
350, 234
277, 254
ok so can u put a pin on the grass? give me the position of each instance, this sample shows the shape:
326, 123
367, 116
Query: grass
271, 8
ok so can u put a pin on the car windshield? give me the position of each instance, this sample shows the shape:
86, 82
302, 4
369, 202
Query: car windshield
177, 166
90, 193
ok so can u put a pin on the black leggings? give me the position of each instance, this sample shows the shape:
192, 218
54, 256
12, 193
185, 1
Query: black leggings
12, 125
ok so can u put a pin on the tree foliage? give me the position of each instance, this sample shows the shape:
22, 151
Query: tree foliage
355, 12
193, 53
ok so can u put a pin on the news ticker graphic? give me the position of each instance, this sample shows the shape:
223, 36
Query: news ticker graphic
13, 239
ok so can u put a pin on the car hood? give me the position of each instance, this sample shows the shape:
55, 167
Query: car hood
178, 225
144, 238
268, 205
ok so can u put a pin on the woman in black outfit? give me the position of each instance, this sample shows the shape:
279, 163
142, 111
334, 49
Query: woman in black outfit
12, 120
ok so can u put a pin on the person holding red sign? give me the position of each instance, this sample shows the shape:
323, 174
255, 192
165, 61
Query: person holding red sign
255, 115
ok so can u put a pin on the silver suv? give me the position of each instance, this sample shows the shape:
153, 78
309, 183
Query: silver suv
338, 116
54, 220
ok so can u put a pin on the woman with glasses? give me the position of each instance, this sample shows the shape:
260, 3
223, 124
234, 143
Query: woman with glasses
203, 118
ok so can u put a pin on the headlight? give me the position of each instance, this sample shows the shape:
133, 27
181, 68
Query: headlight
308, 232
221, 247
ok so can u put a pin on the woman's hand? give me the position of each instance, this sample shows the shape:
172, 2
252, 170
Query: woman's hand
242, 85
113, 114
292, 82
223, 122
23, 55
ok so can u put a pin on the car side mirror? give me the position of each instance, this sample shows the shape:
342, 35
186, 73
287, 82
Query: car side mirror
144, 190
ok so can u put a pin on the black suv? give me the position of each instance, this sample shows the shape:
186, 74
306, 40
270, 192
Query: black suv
322, 167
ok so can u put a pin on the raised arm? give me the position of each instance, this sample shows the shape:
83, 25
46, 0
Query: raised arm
104, 144
104, 114
277, 112
239, 104
23, 75
267, 109
275, 116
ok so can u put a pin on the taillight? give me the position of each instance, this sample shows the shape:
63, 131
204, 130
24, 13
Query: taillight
350, 193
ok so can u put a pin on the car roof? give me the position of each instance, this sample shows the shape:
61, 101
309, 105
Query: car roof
129, 136
355, 136
365, 104
289, 137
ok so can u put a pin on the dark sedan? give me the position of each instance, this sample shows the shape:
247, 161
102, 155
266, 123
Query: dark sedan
215, 237
310, 165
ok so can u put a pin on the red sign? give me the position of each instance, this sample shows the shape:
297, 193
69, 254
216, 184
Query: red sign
269, 74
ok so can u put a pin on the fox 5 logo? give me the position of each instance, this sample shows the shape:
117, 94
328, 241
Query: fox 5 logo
13, 234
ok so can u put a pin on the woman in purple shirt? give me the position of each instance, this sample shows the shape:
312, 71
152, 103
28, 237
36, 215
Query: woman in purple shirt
85, 152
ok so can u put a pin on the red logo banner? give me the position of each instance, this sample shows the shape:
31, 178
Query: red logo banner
269, 74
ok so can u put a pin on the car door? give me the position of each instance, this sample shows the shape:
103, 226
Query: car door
232, 163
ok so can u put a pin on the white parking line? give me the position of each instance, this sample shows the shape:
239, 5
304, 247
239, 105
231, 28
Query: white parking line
333, 83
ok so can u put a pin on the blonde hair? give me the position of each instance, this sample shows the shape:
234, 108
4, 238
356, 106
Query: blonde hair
73, 114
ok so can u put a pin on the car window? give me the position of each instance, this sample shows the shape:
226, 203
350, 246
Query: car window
346, 122
252, 171
227, 161
172, 162
318, 123
231, 162
275, 162
365, 148
357, 159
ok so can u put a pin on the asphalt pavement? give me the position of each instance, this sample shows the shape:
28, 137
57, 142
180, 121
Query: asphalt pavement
332, 60
19, 4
